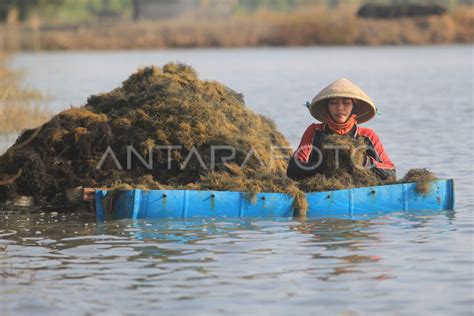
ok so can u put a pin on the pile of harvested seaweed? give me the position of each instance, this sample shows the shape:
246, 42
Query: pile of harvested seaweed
163, 129
341, 169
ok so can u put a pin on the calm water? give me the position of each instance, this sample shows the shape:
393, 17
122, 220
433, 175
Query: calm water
401, 264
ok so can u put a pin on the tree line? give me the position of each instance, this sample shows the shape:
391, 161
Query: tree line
128, 7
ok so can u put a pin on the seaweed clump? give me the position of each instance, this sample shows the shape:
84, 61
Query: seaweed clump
162, 128
423, 179
342, 166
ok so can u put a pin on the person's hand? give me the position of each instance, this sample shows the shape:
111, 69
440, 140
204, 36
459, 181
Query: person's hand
368, 161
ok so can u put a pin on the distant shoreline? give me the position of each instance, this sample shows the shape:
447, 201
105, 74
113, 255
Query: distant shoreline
315, 26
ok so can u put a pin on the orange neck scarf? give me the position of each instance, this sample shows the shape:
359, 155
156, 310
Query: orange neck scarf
341, 128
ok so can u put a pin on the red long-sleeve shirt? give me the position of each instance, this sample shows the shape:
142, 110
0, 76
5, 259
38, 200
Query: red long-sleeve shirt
384, 166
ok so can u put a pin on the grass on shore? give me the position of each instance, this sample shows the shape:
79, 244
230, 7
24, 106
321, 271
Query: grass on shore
317, 25
322, 26
19, 108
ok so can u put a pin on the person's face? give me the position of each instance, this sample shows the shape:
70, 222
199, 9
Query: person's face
340, 109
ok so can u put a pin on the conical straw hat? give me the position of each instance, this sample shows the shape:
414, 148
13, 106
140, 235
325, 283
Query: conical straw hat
343, 88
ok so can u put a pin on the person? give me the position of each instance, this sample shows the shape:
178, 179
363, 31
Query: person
340, 107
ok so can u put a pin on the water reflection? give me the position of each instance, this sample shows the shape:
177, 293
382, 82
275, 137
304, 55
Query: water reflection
202, 262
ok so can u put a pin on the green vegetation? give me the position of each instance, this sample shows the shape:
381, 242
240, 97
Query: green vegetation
77, 11
285, 5
66, 11
79, 25
308, 26
25, 6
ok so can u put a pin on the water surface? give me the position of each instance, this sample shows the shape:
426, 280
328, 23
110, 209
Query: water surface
398, 264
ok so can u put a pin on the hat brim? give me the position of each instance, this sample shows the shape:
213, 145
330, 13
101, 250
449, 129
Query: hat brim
364, 110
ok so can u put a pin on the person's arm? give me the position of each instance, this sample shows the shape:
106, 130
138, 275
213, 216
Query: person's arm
378, 157
300, 165
298, 169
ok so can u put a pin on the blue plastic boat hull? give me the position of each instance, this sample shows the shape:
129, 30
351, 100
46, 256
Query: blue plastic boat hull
348, 203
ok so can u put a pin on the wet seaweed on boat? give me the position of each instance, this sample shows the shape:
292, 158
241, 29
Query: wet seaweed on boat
114, 141
117, 141
342, 166
423, 179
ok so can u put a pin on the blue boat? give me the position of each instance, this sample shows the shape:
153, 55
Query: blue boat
349, 203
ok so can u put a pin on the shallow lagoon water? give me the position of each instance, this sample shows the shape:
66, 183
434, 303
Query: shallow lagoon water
398, 264
388, 265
